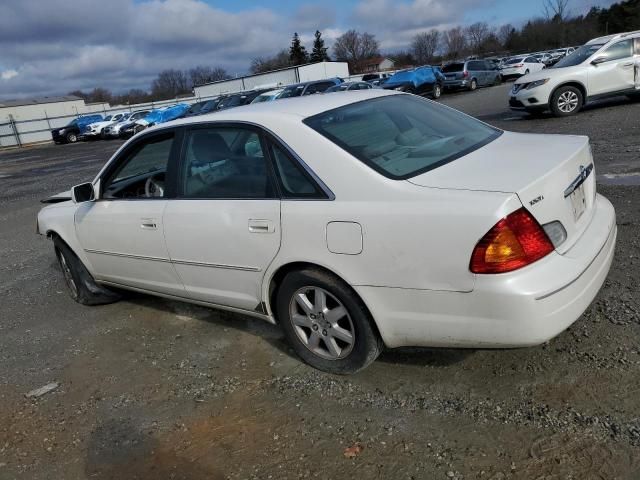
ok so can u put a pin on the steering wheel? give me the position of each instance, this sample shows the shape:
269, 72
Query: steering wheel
153, 187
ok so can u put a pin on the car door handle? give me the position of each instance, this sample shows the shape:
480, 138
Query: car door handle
261, 226
148, 224
628, 64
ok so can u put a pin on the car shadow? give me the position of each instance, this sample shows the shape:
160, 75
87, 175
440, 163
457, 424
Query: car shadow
257, 327
519, 116
431, 357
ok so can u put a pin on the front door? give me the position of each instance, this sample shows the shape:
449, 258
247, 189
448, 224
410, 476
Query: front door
616, 73
223, 228
122, 231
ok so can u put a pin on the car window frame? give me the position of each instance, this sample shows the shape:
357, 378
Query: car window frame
123, 155
266, 137
632, 50
179, 184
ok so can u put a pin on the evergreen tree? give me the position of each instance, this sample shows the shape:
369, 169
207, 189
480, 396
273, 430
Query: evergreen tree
319, 52
297, 53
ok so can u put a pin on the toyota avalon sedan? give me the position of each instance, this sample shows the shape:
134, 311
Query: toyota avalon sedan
358, 221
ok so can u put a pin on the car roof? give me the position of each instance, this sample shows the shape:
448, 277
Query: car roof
300, 107
616, 36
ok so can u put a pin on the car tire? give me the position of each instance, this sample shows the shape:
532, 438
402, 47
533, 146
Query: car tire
473, 85
81, 285
436, 93
71, 137
566, 101
634, 97
342, 342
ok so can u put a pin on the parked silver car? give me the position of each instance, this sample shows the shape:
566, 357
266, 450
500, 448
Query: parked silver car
471, 74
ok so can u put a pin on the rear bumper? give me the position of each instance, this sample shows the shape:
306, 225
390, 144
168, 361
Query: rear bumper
523, 308
456, 83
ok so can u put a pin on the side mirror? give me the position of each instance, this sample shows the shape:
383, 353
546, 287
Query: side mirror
83, 193
598, 60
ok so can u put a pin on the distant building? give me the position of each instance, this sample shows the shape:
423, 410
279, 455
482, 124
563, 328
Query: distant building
375, 64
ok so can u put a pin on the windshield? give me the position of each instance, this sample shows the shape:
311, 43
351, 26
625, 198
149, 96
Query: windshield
579, 55
453, 67
401, 136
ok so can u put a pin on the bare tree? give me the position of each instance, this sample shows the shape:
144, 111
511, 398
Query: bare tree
424, 46
169, 84
555, 9
265, 64
353, 46
200, 75
455, 42
504, 33
477, 33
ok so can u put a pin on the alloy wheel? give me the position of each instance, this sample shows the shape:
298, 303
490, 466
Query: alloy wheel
568, 101
322, 323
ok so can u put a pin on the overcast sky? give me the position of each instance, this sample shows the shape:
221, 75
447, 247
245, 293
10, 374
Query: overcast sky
55, 46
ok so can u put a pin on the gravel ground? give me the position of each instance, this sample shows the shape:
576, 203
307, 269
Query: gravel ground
154, 389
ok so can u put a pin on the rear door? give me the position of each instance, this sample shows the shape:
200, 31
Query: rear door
617, 72
223, 229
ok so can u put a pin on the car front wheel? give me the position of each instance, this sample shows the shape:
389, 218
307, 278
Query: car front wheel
82, 287
71, 137
326, 323
566, 101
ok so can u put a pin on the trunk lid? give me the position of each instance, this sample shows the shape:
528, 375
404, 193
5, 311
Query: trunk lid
552, 175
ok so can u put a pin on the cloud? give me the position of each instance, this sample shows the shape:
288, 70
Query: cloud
8, 74
313, 17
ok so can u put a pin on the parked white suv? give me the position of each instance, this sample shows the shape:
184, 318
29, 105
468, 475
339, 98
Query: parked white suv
605, 66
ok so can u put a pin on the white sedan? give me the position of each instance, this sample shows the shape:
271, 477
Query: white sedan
355, 221
520, 66
98, 128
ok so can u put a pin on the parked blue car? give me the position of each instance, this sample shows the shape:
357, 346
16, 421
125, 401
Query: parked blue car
425, 80
154, 117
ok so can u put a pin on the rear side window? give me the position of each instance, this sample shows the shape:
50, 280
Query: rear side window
402, 136
318, 87
293, 180
618, 51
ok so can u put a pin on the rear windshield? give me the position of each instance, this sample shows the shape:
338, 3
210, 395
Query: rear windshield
402, 136
514, 60
453, 67
294, 91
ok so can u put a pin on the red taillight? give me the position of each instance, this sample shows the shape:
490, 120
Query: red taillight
514, 242
465, 74
520, 66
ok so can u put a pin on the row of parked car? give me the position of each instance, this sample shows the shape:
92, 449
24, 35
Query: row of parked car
426, 80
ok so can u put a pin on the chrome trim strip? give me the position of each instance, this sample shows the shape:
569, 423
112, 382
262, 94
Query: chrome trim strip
579, 180
128, 255
176, 262
215, 265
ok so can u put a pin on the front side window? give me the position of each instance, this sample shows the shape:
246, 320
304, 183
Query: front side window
401, 136
222, 162
142, 173
618, 51
578, 56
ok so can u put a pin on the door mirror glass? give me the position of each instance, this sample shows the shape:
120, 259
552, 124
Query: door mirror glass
83, 193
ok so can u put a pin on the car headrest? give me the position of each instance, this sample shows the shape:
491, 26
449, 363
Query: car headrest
209, 147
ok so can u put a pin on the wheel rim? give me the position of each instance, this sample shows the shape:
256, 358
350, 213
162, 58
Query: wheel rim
568, 101
322, 323
436, 91
72, 138
473, 85
68, 277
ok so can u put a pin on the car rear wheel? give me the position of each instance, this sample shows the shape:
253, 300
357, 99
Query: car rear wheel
566, 101
71, 137
436, 92
473, 85
82, 287
326, 323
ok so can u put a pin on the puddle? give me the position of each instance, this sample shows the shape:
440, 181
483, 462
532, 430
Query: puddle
619, 179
